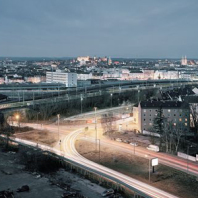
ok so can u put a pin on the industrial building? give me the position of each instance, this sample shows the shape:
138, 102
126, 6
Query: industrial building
69, 79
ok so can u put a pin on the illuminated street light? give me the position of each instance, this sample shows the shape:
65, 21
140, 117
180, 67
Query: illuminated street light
17, 118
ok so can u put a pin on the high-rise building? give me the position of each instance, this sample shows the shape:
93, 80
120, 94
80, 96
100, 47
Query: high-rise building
184, 60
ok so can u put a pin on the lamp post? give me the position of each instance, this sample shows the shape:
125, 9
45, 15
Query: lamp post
138, 96
37, 117
99, 151
81, 99
17, 117
96, 135
149, 166
59, 130
111, 99
187, 156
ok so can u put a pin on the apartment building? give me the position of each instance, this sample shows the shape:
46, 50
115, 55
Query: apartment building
175, 112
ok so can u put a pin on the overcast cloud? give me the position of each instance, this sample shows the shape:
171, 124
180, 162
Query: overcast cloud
116, 28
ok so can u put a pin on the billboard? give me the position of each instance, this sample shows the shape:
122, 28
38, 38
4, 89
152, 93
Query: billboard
154, 161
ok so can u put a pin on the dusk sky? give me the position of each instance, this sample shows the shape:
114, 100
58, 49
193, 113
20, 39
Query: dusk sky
116, 28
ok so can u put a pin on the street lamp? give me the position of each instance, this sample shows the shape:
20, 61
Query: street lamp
95, 108
17, 117
37, 117
59, 130
111, 99
81, 104
187, 156
138, 96
149, 166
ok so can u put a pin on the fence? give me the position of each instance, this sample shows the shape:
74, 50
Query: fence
189, 157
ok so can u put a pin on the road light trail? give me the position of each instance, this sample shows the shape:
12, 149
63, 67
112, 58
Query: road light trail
71, 153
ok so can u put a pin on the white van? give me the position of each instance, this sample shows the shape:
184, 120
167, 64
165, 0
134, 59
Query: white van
152, 147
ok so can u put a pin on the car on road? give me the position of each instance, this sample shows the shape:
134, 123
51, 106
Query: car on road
118, 139
133, 144
108, 192
154, 148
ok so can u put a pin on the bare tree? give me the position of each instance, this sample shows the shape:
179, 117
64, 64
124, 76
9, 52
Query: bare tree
177, 134
5, 128
194, 113
107, 122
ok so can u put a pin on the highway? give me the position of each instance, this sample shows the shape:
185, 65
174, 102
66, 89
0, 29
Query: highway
92, 91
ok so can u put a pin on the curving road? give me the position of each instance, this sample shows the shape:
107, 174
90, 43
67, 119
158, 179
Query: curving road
71, 153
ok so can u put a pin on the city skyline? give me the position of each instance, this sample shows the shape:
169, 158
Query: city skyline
108, 28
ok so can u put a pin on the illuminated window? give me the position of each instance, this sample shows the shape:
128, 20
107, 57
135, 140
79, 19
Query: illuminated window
150, 124
186, 119
174, 124
169, 110
186, 124
144, 110
180, 119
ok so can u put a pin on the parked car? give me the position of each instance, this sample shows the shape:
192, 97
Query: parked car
108, 192
118, 139
126, 141
133, 144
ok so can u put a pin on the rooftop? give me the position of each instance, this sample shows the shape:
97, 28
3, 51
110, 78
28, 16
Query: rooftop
164, 104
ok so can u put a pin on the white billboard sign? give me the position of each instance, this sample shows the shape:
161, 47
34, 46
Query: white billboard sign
154, 161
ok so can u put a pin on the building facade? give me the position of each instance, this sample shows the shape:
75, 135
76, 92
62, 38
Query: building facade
69, 79
175, 112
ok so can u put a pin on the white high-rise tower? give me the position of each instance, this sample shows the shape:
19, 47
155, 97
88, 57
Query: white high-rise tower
184, 60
